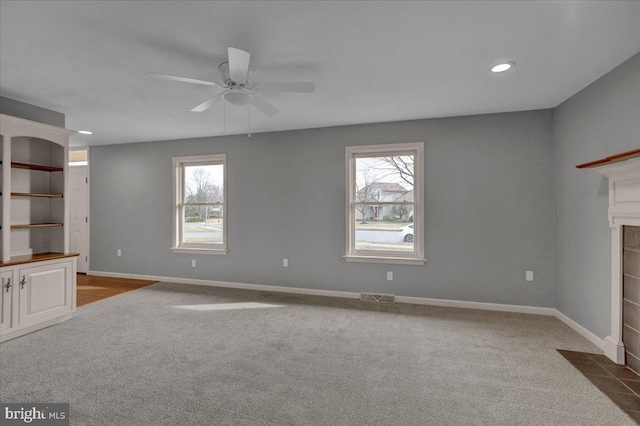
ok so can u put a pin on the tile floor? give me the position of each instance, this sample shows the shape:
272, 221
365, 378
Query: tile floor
618, 382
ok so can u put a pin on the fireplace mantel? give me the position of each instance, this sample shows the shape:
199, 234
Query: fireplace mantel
624, 190
611, 159
623, 172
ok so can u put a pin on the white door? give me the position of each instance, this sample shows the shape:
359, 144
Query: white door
45, 292
5, 299
79, 215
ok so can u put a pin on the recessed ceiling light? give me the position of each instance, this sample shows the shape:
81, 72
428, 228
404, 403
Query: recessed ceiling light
502, 67
85, 132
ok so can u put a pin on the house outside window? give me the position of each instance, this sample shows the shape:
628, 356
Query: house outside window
384, 202
200, 224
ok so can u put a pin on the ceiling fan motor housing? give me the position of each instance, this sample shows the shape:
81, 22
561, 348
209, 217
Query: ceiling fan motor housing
226, 77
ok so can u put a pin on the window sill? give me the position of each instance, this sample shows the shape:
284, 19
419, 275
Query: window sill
198, 250
377, 259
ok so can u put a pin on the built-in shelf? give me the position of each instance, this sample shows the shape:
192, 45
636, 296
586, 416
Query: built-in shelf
35, 167
36, 225
29, 194
34, 245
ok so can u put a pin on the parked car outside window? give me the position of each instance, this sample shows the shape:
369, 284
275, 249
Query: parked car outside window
406, 234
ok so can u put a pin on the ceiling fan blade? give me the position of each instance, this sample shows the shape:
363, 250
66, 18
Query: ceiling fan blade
291, 87
208, 103
263, 106
238, 65
183, 79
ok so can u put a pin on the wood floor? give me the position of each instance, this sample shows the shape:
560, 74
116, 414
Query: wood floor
92, 288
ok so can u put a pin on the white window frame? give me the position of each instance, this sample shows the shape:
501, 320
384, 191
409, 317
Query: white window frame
352, 152
179, 164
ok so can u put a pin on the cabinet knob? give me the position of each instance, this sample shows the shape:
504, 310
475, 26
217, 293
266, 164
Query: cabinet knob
23, 282
8, 285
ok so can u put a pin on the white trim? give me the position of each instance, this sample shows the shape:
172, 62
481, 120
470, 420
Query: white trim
381, 259
624, 209
384, 148
226, 284
198, 250
178, 188
614, 339
580, 330
614, 349
6, 206
521, 309
88, 208
16, 126
88, 165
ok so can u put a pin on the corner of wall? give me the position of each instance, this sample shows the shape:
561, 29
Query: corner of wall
599, 120
554, 185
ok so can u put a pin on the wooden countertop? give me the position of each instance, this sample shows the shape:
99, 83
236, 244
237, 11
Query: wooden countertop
40, 257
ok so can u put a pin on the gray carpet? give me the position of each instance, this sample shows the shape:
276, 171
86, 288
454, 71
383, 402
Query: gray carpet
149, 357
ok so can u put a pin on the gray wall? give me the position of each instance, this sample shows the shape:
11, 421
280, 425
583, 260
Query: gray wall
31, 112
601, 120
489, 209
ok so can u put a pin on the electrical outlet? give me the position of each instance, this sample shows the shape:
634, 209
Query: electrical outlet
285, 263
193, 263
119, 252
528, 275
389, 275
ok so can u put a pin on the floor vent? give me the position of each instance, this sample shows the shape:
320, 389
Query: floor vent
384, 298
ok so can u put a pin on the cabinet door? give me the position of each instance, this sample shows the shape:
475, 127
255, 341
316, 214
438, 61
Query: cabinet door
8, 284
45, 292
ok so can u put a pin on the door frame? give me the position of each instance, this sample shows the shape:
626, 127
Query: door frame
88, 149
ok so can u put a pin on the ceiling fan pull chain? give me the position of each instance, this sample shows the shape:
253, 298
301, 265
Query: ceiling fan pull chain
224, 118
249, 105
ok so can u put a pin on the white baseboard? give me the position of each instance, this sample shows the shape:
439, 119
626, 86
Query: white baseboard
522, 309
580, 330
259, 287
614, 350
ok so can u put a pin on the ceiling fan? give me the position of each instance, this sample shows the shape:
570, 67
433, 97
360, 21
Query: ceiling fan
238, 89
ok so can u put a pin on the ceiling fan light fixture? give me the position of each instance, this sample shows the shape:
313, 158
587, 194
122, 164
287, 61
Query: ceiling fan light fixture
237, 98
85, 132
503, 66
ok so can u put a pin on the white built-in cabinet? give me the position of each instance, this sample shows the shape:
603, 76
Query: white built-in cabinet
37, 271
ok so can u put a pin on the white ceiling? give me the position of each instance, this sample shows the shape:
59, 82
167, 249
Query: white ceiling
371, 61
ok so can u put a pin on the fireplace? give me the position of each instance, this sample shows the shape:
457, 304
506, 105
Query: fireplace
623, 171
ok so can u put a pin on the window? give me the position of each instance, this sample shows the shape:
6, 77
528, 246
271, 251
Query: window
78, 157
200, 193
384, 220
